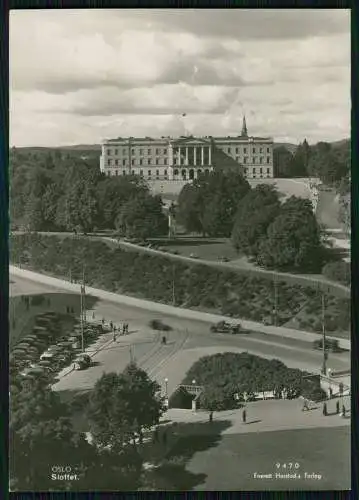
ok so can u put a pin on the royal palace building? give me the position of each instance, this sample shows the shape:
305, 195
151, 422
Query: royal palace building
187, 157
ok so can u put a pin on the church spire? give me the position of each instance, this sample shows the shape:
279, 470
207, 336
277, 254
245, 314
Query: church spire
244, 127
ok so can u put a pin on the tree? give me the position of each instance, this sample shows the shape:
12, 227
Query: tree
209, 205
293, 238
42, 436
113, 193
282, 161
78, 209
122, 406
329, 163
256, 210
142, 217
299, 162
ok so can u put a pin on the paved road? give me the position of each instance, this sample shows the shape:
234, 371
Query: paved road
189, 340
316, 281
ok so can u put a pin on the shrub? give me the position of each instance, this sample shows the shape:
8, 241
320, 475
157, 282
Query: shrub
338, 271
37, 300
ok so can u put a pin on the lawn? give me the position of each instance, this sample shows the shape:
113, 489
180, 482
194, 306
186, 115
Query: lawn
22, 319
215, 462
205, 249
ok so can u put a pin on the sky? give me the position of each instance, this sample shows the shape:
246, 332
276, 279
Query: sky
83, 76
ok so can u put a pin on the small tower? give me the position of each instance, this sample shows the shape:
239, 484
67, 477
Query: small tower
244, 128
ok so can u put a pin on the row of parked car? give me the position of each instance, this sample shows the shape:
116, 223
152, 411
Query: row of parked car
46, 351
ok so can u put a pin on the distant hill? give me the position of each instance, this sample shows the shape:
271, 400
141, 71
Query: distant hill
289, 146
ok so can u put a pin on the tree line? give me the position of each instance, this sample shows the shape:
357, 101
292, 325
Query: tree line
275, 234
330, 162
55, 191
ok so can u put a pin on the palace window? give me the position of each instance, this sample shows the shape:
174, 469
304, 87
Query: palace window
132, 162
165, 173
141, 151
254, 159
254, 150
237, 150
157, 151
123, 172
268, 170
116, 172
109, 163
237, 158
253, 170
133, 151
149, 173
244, 160
229, 150
268, 159
116, 152
123, 162
124, 151
149, 161
165, 151
261, 160
261, 170
261, 150
133, 172
245, 151
149, 151
268, 150
141, 173
116, 162
109, 152
157, 162
165, 161
141, 161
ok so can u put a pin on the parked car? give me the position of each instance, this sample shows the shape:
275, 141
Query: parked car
224, 259
225, 327
193, 256
330, 345
157, 324
82, 362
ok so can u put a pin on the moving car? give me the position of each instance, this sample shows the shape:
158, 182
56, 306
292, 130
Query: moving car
225, 327
330, 345
157, 324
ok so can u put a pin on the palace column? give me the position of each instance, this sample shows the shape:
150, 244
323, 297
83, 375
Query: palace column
187, 156
179, 155
202, 155
210, 155
195, 155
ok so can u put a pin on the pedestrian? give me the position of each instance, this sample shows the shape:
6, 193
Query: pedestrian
305, 406
103, 321
330, 393
114, 336
244, 416
337, 407
93, 315
343, 411
124, 329
325, 410
211, 416
111, 325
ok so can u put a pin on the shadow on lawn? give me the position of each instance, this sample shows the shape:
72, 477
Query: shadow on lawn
184, 440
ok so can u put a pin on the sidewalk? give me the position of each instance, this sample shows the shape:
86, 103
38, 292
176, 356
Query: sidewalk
171, 310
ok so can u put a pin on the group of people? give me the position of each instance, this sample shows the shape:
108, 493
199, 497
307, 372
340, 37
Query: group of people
117, 330
337, 409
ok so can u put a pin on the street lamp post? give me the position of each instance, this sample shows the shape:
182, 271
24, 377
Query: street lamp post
166, 387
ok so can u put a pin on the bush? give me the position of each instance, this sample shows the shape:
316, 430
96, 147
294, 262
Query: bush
338, 271
37, 300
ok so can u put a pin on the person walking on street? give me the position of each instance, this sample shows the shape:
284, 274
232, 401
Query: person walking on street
111, 325
244, 416
93, 315
211, 416
305, 406
114, 336
330, 393
325, 410
343, 411
337, 407
103, 321
124, 329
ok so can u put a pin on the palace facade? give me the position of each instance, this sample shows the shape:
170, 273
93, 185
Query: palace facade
187, 157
